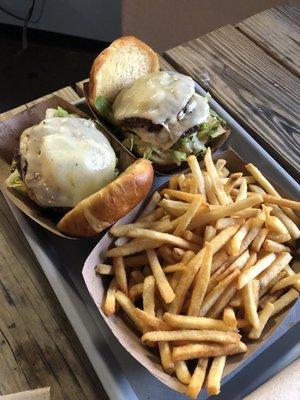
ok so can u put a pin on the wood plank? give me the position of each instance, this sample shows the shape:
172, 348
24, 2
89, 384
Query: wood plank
38, 346
66, 93
36, 394
260, 93
79, 85
277, 31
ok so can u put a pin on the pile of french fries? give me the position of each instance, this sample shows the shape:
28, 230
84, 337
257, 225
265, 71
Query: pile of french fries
206, 264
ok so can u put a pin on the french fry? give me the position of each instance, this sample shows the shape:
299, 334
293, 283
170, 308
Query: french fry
252, 272
185, 282
265, 289
197, 173
238, 263
109, 306
178, 253
174, 207
104, 269
151, 320
285, 300
173, 182
215, 179
201, 282
174, 268
192, 237
243, 324
187, 217
223, 300
290, 280
194, 185
151, 206
264, 316
250, 305
266, 185
198, 335
181, 182
133, 248
129, 309
242, 194
148, 295
290, 225
166, 357
247, 213
259, 240
160, 237
271, 246
256, 289
222, 238
147, 271
122, 230
257, 189
220, 164
197, 380
210, 193
209, 233
269, 298
177, 194
223, 223
278, 265
120, 273
215, 375
274, 224
229, 317
269, 199
188, 322
225, 211
199, 350
162, 283
290, 272
279, 238
218, 259
236, 300
155, 215
135, 291
230, 184
211, 298
182, 372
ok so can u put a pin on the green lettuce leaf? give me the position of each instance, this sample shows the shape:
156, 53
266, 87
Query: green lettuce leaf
103, 106
14, 181
61, 112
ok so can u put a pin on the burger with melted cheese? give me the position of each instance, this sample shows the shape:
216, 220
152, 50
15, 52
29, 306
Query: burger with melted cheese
66, 164
159, 113
164, 119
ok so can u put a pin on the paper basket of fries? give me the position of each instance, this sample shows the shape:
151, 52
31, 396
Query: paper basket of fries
195, 284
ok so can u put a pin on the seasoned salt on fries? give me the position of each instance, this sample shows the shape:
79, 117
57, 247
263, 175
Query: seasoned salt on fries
206, 265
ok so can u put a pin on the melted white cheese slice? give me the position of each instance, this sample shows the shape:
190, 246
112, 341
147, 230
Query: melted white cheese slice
159, 97
68, 159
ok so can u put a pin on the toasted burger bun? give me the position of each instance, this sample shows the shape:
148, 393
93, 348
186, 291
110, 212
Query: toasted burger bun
119, 65
100, 210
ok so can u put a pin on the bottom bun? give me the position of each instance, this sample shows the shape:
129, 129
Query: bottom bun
100, 210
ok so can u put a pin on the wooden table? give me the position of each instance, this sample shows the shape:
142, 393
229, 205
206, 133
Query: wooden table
252, 69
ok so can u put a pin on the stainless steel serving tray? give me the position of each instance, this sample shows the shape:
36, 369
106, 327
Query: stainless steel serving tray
122, 377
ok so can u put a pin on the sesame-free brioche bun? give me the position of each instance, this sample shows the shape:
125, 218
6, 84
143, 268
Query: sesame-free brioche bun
119, 65
100, 210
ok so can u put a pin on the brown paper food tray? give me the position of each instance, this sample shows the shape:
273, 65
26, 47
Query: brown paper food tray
10, 131
124, 331
159, 169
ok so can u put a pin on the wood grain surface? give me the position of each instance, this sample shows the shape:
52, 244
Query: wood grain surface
38, 346
259, 92
277, 31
